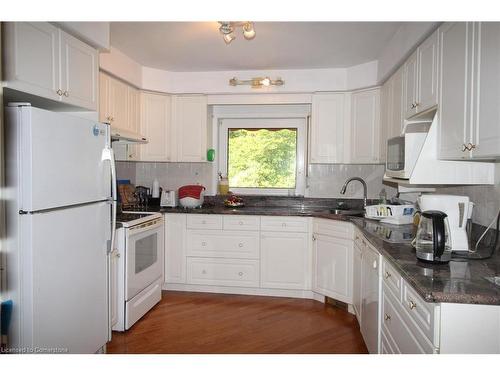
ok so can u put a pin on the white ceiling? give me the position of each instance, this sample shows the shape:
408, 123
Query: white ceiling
198, 46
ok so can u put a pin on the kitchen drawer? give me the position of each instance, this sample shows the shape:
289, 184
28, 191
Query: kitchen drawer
197, 221
387, 345
395, 326
223, 244
284, 224
422, 313
334, 228
241, 222
223, 272
392, 279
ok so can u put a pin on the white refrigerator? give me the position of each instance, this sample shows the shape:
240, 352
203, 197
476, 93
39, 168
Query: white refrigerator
60, 228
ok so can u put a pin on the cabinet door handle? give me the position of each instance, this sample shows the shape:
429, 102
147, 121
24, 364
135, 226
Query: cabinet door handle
283, 224
471, 146
416, 104
314, 237
465, 148
240, 273
66, 94
59, 92
240, 244
240, 222
412, 305
387, 317
203, 244
387, 275
413, 106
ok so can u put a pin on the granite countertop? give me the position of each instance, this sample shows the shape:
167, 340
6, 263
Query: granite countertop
459, 281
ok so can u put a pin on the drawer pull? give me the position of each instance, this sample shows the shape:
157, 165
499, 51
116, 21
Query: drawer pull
387, 317
240, 273
412, 305
240, 244
283, 224
387, 275
203, 244
240, 222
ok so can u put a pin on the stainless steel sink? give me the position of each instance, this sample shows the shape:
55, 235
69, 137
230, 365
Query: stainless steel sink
339, 211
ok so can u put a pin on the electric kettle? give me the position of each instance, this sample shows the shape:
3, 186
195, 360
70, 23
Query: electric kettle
432, 242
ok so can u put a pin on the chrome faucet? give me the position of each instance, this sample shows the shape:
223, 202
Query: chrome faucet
342, 191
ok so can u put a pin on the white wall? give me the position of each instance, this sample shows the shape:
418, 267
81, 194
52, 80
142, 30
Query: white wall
404, 41
120, 65
296, 80
94, 33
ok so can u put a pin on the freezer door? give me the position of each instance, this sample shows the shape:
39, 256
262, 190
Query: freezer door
61, 159
63, 301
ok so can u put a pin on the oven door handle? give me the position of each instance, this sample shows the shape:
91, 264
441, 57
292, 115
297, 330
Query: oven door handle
145, 227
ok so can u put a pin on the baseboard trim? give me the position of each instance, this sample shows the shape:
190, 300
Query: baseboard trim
306, 294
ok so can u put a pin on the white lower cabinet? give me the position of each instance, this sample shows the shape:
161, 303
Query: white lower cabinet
332, 267
370, 297
284, 260
223, 272
223, 244
175, 256
356, 281
409, 324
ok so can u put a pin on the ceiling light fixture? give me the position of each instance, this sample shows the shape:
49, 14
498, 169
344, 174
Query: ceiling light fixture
257, 82
227, 29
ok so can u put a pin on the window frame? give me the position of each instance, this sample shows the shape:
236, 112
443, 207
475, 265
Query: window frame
300, 123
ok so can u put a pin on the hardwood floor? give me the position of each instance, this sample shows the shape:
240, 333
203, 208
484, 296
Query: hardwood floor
221, 323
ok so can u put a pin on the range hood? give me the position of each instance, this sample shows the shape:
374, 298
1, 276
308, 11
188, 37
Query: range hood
126, 136
430, 170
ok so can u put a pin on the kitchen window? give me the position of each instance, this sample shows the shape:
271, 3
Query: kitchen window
263, 155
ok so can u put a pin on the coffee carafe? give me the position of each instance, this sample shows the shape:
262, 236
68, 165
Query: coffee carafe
432, 242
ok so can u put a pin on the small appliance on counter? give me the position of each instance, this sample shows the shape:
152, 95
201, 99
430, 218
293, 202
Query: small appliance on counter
458, 210
432, 242
168, 198
191, 196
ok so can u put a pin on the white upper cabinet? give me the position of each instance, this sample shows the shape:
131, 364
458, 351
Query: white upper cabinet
189, 119
365, 127
427, 61
156, 127
32, 58
79, 68
420, 77
118, 104
410, 85
486, 119
42, 60
327, 128
133, 120
455, 89
391, 110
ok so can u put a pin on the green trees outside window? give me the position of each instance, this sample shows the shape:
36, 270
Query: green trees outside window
262, 158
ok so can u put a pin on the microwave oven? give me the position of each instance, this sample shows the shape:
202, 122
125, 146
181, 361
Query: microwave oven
402, 154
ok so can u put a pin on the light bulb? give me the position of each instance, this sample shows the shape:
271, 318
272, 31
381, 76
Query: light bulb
248, 31
228, 38
266, 81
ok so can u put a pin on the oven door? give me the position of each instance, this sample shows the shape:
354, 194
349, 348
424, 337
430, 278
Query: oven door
144, 256
395, 165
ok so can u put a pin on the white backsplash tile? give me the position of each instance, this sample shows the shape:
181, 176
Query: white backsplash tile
326, 180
